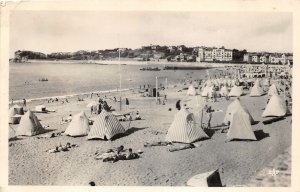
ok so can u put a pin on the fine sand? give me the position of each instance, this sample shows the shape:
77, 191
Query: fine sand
240, 161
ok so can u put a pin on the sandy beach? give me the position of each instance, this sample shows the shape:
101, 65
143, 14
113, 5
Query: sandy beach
240, 161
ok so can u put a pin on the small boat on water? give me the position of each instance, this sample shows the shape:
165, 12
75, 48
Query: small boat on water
150, 69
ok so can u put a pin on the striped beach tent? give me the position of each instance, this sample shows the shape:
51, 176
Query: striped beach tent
184, 128
105, 126
232, 107
79, 125
29, 125
273, 90
191, 91
240, 126
276, 107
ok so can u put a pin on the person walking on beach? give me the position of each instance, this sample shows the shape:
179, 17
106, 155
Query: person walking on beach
178, 107
24, 102
127, 103
209, 113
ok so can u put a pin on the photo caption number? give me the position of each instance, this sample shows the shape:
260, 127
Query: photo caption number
274, 172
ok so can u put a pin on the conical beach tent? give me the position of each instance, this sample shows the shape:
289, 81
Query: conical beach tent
29, 125
16, 109
276, 107
232, 107
105, 126
79, 125
240, 126
266, 82
236, 91
211, 92
191, 91
208, 179
224, 91
257, 82
205, 91
14, 117
273, 90
184, 128
256, 91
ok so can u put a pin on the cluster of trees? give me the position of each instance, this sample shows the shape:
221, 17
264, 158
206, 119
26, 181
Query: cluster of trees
170, 53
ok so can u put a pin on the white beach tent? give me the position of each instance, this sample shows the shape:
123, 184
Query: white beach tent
205, 91
240, 126
79, 125
275, 107
273, 90
224, 91
15, 114
92, 103
232, 107
16, 109
266, 82
211, 92
29, 125
207, 179
256, 91
236, 91
191, 91
257, 82
40, 108
184, 128
105, 126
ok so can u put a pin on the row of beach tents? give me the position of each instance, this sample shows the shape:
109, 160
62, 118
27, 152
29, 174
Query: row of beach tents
185, 128
236, 91
105, 126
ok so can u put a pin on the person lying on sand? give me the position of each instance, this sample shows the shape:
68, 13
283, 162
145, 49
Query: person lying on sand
62, 148
137, 116
130, 155
160, 143
52, 135
66, 120
183, 147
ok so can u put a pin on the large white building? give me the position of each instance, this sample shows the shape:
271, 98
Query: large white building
214, 54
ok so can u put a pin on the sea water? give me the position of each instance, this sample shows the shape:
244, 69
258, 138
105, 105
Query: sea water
76, 78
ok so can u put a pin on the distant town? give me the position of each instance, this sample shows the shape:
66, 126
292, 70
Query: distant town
158, 53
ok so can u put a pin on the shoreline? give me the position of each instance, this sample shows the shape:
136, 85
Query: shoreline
19, 101
134, 62
146, 63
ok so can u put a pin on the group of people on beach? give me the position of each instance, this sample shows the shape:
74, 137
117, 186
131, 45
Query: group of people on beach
114, 155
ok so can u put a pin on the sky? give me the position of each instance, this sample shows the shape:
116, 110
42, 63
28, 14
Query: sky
68, 31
